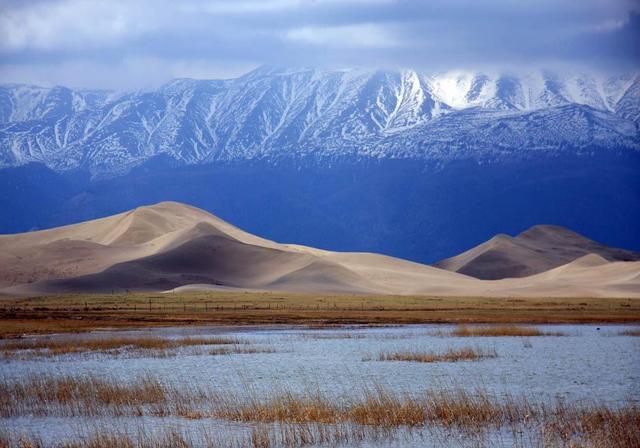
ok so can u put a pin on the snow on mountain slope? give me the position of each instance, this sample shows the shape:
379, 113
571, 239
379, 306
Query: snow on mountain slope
274, 113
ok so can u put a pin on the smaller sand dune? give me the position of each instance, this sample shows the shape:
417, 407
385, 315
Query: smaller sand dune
588, 276
536, 250
396, 276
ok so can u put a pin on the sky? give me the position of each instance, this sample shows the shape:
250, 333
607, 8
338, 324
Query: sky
138, 44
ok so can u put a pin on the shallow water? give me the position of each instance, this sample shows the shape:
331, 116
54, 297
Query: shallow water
590, 363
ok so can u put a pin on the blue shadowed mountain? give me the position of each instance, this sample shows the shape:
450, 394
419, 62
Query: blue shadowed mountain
414, 165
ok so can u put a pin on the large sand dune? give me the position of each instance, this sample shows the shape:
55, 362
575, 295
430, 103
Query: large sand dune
536, 250
172, 246
93, 246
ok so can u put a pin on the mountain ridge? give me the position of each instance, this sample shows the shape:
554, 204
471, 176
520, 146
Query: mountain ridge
274, 113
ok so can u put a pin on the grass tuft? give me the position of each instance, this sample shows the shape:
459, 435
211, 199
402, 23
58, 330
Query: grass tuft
235, 350
50, 347
72, 396
451, 355
500, 330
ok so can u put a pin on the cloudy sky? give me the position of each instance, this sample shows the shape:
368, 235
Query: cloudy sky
142, 43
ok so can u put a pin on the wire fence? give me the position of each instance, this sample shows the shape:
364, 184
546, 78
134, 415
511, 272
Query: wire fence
200, 307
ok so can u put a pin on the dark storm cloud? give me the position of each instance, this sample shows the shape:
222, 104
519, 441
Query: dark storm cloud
145, 42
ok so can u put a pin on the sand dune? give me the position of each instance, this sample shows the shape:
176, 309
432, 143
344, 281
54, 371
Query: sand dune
397, 276
171, 246
536, 250
223, 261
588, 276
93, 246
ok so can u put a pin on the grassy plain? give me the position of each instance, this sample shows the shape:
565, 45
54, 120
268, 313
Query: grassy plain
84, 312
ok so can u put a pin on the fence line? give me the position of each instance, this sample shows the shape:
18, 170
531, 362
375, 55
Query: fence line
200, 307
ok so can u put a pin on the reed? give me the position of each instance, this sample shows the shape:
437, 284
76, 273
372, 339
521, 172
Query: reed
110, 438
378, 406
474, 410
336, 335
285, 407
632, 332
69, 396
235, 350
349, 335
384, 408
618, 431
460, 409
500, 330
602, 425
298, 419
211, 340
314, 434
451, 355
50, 347
260, 436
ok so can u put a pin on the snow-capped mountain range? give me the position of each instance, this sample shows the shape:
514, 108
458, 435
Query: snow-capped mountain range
274, 113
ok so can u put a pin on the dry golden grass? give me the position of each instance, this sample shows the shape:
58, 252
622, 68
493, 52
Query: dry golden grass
378, 407
260, 436
500, 330
602, 426
114, 438
473, 410
334, 335
451, 355
70, 396
285, 407
308, 418
235, 350
45, 347
381, 407
456, 409
617, 430
77, 313
328, 335
634, 332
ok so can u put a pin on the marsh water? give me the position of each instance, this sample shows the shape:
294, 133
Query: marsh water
586, 364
